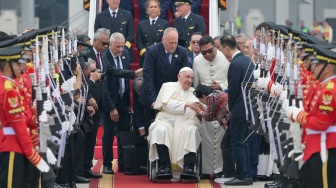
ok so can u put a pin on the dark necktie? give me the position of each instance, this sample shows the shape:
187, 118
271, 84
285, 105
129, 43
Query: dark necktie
153, 22
114, 15
184, 20
98, 61
120, 79
168, 58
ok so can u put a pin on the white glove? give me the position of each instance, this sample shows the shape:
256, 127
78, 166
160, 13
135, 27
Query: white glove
256, 73
263, 82
285, 104
56, 93
43, 166
47, 105
292, 111
51, 157
64, 86
43, 117
276, 89
72, 118
283, 95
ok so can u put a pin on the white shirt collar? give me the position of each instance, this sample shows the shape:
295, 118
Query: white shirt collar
150, 19
116, 11
94, 49
186, 17
238, 51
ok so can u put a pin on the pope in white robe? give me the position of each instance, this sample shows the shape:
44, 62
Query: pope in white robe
176, 125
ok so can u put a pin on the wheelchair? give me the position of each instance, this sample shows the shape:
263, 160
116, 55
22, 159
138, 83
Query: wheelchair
152, 169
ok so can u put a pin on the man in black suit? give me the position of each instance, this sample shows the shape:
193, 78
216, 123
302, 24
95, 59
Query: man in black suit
124, 4
117, 20
164, 6
194, 47
163, 63
117, 101
240, 71
188, 22
95, 95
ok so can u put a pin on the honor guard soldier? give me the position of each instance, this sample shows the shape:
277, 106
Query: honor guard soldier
319, 123
16, 147
187, 23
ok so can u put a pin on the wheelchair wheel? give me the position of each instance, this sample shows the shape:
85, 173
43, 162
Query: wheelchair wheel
153, 174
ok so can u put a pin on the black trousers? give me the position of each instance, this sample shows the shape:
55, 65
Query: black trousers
189, 158
311, 173
13, 170
112, 129
90, 141
149, 116
229, 169
33, 179
79, 143
66, 174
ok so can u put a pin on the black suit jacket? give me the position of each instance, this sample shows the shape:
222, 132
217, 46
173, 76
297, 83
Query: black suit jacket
95, 88
194, 23
111, 89
148, 35
157, 71
164, 6
240, 69
190, 58
123, 24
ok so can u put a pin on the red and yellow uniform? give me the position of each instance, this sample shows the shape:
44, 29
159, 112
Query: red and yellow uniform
321, 117
25, 85
15, 143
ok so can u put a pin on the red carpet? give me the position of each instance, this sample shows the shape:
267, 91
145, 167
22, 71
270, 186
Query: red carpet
119, 180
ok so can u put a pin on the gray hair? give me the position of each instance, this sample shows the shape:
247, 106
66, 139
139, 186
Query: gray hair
88, 63
117, 37
137, 84
242, 35
168, 30
100, 32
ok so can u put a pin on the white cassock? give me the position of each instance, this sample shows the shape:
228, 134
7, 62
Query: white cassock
175, 126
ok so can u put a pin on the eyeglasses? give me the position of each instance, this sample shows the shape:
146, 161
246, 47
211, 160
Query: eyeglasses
104, 43
207, 51
194, 42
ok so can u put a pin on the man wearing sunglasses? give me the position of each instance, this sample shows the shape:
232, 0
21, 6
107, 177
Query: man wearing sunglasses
194, 47
210, 69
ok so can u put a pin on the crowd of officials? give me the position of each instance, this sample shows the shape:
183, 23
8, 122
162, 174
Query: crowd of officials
180, 53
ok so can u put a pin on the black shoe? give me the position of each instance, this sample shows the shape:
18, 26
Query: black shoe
73, 184
89, 174
188, 173
81, 179
205, 176
217, 175
120, 169
237, 181
65, 185
164, 170
255, 179
188, 170
107, 170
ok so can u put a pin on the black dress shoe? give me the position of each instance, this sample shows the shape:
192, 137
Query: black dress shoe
64, 185
81, 179
188, 170
205, 176
164, 170
89, 174
237, 181
108, 170
218, 175
73, 184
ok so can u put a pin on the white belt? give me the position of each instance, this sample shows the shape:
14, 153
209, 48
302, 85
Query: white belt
8, 131
323, 145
